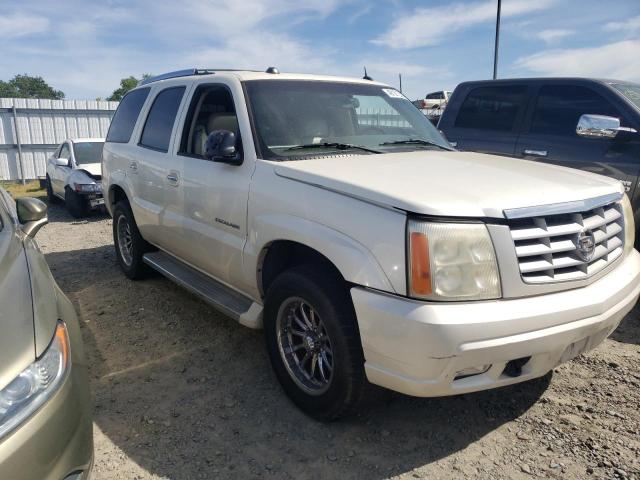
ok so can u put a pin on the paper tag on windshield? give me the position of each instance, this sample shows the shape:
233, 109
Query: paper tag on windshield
393, 93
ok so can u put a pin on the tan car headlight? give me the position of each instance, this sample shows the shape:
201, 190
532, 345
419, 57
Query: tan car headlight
629, 224
35, 384
451, 261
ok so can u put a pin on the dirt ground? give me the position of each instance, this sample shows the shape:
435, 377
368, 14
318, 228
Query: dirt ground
183, 392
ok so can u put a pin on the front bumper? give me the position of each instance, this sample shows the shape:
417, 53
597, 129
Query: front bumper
418, 348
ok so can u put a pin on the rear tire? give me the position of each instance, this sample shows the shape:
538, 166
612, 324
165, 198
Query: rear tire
76, 204
315, 293
50, 195
129, 244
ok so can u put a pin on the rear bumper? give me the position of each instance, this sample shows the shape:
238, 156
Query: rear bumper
418, 348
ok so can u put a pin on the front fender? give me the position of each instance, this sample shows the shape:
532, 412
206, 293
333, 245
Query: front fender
354, 261
78, 177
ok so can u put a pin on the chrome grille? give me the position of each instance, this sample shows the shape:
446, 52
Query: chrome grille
547, 247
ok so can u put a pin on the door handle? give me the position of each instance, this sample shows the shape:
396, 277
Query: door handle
133, 166
535, 153
172, 178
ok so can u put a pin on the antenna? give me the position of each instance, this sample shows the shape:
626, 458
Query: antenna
366, 77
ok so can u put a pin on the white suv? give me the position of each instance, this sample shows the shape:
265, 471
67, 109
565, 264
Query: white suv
330, 211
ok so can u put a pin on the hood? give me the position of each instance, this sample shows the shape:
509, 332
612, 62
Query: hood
17, 346
93, 169
461, 184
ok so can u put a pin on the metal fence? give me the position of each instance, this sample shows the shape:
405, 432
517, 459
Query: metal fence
31, 129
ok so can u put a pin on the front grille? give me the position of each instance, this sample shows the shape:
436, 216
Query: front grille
547, 247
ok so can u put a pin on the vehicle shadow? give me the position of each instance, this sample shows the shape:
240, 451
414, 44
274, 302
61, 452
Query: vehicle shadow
57, 212
629, 329
188, 393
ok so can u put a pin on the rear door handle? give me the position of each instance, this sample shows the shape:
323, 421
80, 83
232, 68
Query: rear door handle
535, 153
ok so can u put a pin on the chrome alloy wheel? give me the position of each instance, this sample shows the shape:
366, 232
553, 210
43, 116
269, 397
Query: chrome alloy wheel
125, 240
305, 346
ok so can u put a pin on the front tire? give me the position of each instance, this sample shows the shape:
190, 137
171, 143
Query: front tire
129, 244
313, 341
76, 204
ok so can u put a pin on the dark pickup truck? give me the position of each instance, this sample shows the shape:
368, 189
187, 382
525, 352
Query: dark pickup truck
582, 123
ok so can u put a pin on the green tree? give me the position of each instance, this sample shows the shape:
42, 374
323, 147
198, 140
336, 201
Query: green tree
126, 84
26, 86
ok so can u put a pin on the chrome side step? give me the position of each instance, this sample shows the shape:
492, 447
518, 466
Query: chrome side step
221, 297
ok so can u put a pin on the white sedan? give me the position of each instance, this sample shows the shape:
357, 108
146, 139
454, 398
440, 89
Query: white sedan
73, 175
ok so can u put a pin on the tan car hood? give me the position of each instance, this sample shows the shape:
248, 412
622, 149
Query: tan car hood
17, 345
461, 184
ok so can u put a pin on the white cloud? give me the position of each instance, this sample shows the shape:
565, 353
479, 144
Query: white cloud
553, 35
610, 61
19, 25
628, 26
431, 26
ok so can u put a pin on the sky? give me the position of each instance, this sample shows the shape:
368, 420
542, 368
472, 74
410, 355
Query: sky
84, 48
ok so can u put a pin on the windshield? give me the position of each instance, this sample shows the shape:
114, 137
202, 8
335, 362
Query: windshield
294, 119
87, 152
631, 91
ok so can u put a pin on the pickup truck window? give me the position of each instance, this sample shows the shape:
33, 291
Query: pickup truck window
290, 117
492, 108
559, 107
631, 91
126, 115
87, 152
162, 115
211, 109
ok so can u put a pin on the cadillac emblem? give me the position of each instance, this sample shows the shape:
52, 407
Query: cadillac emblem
586, 245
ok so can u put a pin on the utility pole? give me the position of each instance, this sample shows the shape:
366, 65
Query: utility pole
495, 51
400, 77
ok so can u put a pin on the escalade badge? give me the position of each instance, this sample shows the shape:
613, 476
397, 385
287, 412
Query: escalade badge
586, 245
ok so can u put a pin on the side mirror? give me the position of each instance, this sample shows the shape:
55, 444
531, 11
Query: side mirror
32, 214
600, 126
62, 162
221, 147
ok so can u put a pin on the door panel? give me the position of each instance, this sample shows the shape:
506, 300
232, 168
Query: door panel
553, 130
215, 194
159, 195
488, 119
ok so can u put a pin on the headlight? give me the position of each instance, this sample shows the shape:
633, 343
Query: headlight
450, 261
88, 188
35, 384
629, 224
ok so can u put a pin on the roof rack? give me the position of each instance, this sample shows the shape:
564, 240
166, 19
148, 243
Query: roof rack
189, 72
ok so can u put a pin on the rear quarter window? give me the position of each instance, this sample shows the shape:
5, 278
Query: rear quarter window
126, 115
492, 108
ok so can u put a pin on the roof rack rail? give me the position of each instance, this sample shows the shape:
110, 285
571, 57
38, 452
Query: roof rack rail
189, 72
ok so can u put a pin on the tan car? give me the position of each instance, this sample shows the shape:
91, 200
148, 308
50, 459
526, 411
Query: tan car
45, 406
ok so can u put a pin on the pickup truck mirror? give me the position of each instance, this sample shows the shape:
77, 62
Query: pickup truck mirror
600, 126
221, 147
62, 162
32, 214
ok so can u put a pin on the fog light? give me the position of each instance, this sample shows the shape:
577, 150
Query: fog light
471, 371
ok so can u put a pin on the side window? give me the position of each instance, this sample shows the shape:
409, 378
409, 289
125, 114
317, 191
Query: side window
156, 133
432, 96
126, 115
492, 108
65, 151
559, 107
211, 109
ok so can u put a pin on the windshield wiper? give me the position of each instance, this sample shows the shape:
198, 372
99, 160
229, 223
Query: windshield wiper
415, 141
337, 146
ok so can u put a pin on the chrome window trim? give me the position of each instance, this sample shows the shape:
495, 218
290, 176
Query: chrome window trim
561, 208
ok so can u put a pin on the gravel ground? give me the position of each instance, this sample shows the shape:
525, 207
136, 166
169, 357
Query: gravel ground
183, 392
